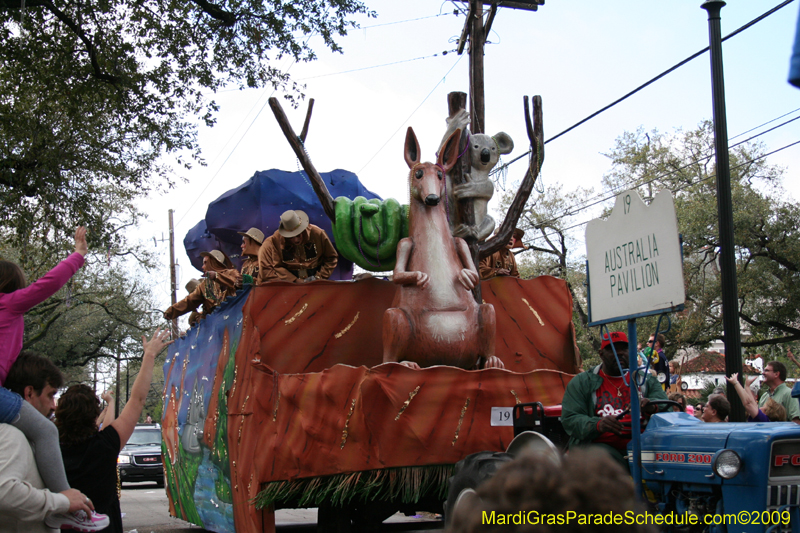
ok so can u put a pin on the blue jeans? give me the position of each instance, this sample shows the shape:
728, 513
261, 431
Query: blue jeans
10, 404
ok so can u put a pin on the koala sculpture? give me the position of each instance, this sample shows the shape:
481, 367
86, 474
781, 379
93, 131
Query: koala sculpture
484, 152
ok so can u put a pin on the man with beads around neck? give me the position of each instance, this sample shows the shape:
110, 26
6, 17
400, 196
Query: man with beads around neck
597, 403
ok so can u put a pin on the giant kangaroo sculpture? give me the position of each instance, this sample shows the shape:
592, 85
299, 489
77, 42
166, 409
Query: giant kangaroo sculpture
434, 319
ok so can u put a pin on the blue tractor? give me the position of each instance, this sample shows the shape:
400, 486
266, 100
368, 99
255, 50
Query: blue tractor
732, 476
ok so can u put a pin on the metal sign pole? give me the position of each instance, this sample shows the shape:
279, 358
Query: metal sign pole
636, 426
727, 259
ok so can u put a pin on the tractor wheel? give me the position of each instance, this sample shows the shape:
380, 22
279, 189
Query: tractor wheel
363, 518
369, 517
333, 519
469, 473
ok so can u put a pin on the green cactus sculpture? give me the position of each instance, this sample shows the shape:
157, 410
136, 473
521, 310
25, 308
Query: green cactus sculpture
367, 231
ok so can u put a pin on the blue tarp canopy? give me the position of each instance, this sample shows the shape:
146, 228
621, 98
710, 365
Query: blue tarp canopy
259, 203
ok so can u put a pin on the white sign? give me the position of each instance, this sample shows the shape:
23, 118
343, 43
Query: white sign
634, 256
502, 416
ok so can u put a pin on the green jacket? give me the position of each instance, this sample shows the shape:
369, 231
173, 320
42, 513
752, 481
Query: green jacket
578, 410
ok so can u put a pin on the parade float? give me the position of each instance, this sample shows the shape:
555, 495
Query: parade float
358, 397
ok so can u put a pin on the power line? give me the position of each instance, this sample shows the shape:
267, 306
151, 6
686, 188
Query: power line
237, 142
404, 21
662, 176
273, 92
602, 197
409, 116
764, 124
226, 160
765, 131
650, 82
444, 53
707, 178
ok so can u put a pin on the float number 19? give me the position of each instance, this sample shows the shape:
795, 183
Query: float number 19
501, 416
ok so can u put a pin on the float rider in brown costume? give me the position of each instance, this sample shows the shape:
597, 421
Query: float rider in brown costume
298, 252
251, 244
194, 316
502, 262
219, 283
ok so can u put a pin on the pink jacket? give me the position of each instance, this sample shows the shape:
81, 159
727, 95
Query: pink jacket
14, 305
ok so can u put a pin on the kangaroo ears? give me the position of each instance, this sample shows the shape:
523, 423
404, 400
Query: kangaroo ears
449, 154
412, 148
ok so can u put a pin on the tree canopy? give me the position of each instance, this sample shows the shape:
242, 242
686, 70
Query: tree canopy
93, 94
766, 233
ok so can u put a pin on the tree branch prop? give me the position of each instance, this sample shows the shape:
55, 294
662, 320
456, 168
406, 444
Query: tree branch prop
304, 133
536, 138
296, 143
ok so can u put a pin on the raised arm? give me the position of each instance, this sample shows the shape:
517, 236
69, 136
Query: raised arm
108, 415
748, 401
133, 409
99, 421
23, 299
791, 357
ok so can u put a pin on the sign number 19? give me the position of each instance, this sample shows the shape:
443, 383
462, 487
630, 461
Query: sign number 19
627, 205
501, 416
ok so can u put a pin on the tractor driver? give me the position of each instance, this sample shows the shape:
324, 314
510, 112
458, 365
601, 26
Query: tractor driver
596, 403
298, 252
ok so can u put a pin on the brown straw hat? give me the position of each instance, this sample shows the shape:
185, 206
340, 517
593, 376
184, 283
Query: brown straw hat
219, 257
518, 234
254, 233
293, 223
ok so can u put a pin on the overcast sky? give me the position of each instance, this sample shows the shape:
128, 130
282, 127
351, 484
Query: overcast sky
579, 55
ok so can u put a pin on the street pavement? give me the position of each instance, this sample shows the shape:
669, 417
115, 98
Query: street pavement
145, 508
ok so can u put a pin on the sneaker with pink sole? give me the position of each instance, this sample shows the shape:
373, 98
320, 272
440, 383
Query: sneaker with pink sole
78, 521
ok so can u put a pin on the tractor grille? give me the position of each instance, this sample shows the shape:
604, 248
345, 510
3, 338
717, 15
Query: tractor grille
780, 495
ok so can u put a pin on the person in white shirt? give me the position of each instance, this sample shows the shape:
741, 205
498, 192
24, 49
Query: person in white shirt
24, 500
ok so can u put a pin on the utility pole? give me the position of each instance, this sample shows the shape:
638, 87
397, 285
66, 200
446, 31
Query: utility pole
730, 293
477, 41
646, 176
456, 101
172, 277
476, 30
